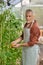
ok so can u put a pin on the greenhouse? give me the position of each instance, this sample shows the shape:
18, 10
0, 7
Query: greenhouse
12, 19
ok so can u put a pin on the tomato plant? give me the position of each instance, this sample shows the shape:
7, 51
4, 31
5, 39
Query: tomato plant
10, 29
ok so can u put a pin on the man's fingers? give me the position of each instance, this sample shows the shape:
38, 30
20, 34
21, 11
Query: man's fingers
15, 46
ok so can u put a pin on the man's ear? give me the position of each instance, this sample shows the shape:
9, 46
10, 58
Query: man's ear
33, 16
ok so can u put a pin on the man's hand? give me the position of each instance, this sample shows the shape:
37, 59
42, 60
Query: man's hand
13, 44
17, 45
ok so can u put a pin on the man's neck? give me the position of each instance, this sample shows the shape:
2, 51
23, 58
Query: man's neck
30, 21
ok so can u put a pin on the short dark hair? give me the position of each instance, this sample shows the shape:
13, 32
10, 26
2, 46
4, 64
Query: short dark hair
29, 10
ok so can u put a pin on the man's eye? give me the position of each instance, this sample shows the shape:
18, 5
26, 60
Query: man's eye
28, 16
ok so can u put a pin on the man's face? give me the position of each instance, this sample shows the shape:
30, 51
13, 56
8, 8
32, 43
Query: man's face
29, 16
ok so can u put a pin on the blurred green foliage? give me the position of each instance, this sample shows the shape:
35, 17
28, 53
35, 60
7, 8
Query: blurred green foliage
10, 29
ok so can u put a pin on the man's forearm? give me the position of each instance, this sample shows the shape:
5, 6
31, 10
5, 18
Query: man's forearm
28, 44
18, 40
24, 45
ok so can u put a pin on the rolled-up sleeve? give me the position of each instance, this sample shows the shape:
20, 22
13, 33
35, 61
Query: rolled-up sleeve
34, 35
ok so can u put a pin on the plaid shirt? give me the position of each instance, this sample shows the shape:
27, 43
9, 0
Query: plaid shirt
34, 33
